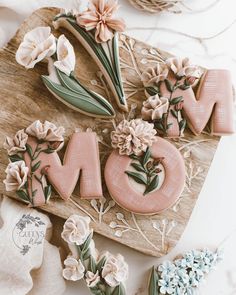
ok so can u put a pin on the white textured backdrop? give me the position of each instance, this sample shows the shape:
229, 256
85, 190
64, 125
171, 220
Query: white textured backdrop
213, 218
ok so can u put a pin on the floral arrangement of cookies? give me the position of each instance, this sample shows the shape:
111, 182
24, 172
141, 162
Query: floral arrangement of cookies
139, 171
170, 107
104, 273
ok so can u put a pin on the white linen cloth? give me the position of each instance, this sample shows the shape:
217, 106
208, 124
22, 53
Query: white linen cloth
38, 272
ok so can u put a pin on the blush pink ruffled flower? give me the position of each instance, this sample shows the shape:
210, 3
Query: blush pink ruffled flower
46, 131
100, 17
17, 143
115, 270
154, 107
133, 137
17, 173
76, 229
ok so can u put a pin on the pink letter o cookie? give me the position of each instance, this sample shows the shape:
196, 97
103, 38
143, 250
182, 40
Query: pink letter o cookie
123, 192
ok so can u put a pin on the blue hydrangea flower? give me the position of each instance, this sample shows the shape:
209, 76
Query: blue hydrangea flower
179, 291
180, 263
199, 267
166, 285
167, 269
181, 277
195, 278
189, 258
184, 275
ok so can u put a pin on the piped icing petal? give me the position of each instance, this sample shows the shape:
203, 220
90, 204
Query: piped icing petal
100, 16
133, 136
37, 45
154, 107
65, 56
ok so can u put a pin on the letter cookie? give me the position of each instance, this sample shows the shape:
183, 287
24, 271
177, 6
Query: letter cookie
34, 162
123, 192
213, 102
172, 105
134, 172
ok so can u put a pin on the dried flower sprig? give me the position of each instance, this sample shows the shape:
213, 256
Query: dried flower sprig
103, 273
183, 275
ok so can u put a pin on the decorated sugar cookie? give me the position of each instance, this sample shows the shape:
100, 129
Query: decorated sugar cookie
97, 30
103, 273
141, 173
38, 45
35, 166
185, 274
173, 103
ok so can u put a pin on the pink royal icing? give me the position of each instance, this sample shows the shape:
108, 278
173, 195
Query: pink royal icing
213, 101
81, 162
127, 197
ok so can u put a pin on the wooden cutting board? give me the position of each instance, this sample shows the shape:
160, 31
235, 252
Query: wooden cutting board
24, 99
